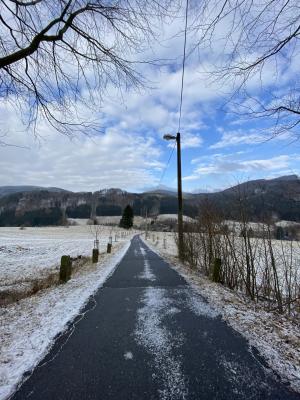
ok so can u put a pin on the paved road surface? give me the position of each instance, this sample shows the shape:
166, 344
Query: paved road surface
147, 335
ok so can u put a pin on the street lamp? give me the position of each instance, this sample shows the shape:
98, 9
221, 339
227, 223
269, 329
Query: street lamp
179, 190
169, 137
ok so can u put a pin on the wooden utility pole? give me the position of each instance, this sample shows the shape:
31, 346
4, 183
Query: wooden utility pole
179, 194
146, 223
180, 207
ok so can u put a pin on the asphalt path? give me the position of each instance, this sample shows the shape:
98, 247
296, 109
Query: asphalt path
147, 335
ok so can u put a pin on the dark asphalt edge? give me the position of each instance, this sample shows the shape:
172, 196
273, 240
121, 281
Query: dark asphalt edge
68, 330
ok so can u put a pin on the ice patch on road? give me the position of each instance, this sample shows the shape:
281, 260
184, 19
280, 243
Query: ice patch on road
147, 273
156, 338
143, 251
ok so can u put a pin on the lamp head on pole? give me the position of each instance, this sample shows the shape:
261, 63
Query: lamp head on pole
169, 137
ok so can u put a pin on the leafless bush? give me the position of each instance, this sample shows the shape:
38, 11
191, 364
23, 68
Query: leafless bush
95, 230
262, 268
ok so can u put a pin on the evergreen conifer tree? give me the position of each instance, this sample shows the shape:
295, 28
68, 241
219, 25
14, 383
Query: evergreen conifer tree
127, 218
279, 233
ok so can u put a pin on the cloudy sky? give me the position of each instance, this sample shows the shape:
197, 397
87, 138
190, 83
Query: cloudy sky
219, 146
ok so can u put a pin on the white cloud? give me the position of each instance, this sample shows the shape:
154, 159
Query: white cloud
191, 141
112, 159
270, 164
273, 163
248, 137
222, 165
127, 154
237, 138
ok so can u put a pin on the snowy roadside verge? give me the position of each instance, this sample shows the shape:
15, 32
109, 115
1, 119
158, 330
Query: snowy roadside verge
275, 336
18, 291
29, 328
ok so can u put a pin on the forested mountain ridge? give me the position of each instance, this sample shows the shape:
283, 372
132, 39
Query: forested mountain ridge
7, 190
277, 198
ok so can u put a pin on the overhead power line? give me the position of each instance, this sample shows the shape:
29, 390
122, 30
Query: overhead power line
167, 165
183, 64
181, 90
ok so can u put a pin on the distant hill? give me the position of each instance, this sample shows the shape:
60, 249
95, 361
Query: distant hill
278, 185
6, 190
161, 188
286, 178
278, 198
166, 191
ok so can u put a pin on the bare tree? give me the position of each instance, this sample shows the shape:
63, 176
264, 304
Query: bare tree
260, 42
95, 230
257, 265
59, 54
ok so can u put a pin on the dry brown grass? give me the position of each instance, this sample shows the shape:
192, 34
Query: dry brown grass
26, 288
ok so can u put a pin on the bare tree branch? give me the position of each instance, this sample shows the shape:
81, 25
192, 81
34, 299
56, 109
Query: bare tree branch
259, 39
58, 57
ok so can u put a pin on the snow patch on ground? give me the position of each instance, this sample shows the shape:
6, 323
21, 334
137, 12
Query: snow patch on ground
173, 217
199, 306
173, 310
143, 251
151, 334
147, 273
128, 355
276, 337
32, 253
28, 328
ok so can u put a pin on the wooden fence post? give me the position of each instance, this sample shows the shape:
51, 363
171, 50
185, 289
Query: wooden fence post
95, 255
216, 273
65, 271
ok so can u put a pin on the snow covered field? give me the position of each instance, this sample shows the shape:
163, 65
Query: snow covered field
35, 252
138, 220
29, 327
107, 220
286, 256
173, 217
276, 336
